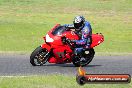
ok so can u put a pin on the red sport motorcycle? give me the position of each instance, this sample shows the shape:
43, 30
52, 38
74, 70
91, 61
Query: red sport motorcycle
57, 49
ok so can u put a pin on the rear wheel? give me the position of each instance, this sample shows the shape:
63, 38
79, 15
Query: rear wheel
39, 56
84, 59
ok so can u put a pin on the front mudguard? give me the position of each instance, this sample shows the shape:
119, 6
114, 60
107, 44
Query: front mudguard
46, 46
51, 58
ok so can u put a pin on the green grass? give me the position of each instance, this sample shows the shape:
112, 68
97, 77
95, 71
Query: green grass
51, 81
23, 23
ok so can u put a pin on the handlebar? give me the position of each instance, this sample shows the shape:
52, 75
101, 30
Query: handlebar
64, 41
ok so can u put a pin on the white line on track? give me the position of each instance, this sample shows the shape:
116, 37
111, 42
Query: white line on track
12, 76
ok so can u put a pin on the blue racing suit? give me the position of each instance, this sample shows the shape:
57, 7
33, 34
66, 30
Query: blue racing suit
85, 38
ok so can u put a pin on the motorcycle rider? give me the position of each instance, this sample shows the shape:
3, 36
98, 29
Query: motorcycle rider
84, 31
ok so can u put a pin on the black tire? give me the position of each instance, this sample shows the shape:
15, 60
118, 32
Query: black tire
38, 51
89, 57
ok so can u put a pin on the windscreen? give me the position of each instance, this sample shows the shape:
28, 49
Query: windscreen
59, 30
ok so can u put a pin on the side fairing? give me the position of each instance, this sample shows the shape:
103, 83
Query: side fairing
97, 39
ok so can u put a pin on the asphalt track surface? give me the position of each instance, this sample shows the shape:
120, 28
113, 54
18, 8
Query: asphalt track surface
18, 65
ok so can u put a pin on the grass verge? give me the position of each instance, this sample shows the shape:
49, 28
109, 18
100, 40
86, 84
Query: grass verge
51, 81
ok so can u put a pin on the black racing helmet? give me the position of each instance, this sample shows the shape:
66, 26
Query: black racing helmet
79, 22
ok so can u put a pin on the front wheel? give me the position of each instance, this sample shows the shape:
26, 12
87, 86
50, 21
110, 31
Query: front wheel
39, 56
84, 59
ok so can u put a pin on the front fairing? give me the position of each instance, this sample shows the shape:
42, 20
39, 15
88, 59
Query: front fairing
54, 35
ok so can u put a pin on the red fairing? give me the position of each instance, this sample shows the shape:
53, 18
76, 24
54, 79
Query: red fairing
52, 60
62, 52
57, 39
97, 39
